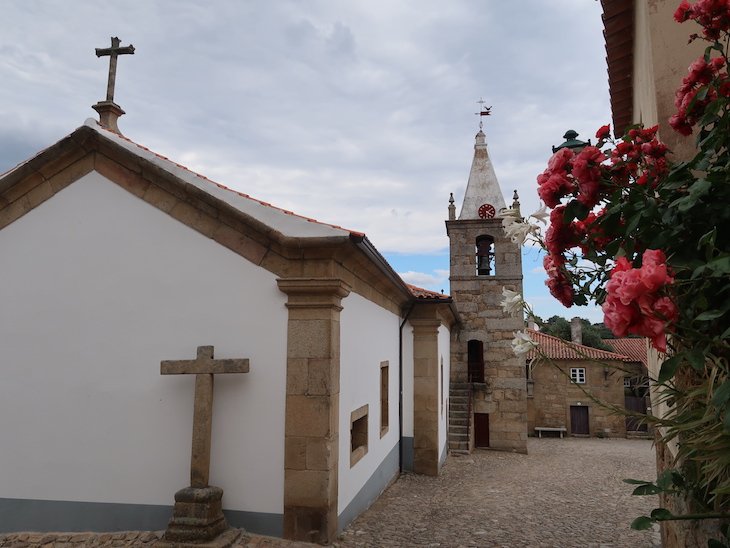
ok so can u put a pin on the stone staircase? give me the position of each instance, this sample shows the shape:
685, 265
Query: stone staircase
459, 411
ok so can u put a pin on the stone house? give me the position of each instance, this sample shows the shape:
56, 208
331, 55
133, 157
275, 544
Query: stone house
564, 381
116, 259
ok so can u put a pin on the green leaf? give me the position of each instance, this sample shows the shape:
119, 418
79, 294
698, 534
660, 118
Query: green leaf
721, 395
575, 210
649, 489
642, 523
709, 315
669, 367
696, 359
712, 543
708, 239
726, 421
659, 514
636, 482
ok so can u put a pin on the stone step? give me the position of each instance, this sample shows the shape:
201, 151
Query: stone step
459, 422
461, 385
459, 430
458, 399
458, 445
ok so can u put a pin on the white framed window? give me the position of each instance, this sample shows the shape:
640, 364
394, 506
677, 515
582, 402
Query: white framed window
578, 375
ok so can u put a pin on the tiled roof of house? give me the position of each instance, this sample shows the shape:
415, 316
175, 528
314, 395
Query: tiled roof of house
636, 349
559, 349
421, 293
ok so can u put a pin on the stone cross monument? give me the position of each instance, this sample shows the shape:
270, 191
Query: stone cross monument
108, 110
198, 516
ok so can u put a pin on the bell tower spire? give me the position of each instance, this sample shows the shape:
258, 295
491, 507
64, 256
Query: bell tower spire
482, 189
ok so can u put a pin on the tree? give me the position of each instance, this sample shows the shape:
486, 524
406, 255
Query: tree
560, 327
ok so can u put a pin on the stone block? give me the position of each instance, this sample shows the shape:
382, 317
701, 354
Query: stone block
323, 377
295, 453
297, 376
310, 488
310, 339
239, 243
321, 454
309, 416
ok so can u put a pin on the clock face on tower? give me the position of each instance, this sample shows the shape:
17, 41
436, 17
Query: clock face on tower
486, 211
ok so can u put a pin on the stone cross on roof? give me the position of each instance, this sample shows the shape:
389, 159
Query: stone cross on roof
203, 367
113, 52
108, 110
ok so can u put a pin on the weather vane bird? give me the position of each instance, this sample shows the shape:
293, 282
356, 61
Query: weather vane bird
483, 111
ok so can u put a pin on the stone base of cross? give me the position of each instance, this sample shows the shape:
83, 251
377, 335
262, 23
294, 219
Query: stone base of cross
197, 518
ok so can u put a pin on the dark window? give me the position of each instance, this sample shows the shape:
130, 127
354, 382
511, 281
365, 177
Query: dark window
383, 398
475, 360
358, 434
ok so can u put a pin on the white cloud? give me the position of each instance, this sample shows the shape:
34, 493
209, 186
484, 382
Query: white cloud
436, 281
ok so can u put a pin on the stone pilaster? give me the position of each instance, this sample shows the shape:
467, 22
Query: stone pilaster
425, 391
312, 407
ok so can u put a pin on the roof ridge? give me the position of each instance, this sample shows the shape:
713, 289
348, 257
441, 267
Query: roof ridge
577, 347
92, 123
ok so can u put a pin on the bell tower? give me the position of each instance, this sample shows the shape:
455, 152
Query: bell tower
488, 385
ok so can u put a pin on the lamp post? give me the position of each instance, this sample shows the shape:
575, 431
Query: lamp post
571, 142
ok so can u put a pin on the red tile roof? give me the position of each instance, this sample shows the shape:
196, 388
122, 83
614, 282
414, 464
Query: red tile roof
559, 349
113, 135
636, 349
421, 293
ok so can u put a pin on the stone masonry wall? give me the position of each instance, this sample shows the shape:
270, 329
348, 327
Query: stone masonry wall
554, 393
478, 299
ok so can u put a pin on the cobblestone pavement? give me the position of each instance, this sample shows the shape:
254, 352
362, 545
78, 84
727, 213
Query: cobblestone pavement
565, 493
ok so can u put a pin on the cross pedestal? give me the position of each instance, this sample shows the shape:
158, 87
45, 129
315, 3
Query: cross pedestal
197, 518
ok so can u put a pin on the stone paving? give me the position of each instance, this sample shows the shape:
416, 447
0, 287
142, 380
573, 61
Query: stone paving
564, 493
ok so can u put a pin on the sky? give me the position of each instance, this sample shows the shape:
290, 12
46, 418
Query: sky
358, 113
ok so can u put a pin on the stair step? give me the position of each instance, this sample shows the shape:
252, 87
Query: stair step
459, 422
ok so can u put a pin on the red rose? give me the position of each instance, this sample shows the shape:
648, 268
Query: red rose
604, 132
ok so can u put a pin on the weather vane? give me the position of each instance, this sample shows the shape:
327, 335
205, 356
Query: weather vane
483, 111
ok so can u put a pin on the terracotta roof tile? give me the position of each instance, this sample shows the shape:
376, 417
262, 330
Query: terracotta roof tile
421, 293
636, 349
559, 349
113, 135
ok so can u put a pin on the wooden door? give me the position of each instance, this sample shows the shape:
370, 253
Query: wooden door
636, 405
481, 429
579, 420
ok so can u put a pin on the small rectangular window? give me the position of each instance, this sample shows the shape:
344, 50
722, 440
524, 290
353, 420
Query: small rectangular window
627, 382
578, 375
358, 434
384, 366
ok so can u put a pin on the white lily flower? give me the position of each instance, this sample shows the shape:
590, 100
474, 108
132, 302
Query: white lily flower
516, 231
512, 303
541, 214
522, 343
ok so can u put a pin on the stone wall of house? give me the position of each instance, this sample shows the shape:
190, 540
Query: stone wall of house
553, 393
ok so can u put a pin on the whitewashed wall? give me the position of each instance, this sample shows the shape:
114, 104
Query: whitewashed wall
369, 335
96, 288
408, 380
444, 345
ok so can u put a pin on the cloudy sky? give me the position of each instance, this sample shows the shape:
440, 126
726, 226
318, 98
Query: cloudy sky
357, 113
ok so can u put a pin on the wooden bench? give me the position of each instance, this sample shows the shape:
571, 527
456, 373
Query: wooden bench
541, 429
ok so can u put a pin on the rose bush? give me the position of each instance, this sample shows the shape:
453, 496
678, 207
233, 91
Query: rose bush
648, 238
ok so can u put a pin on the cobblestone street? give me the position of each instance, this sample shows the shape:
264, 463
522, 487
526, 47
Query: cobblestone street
565, 493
